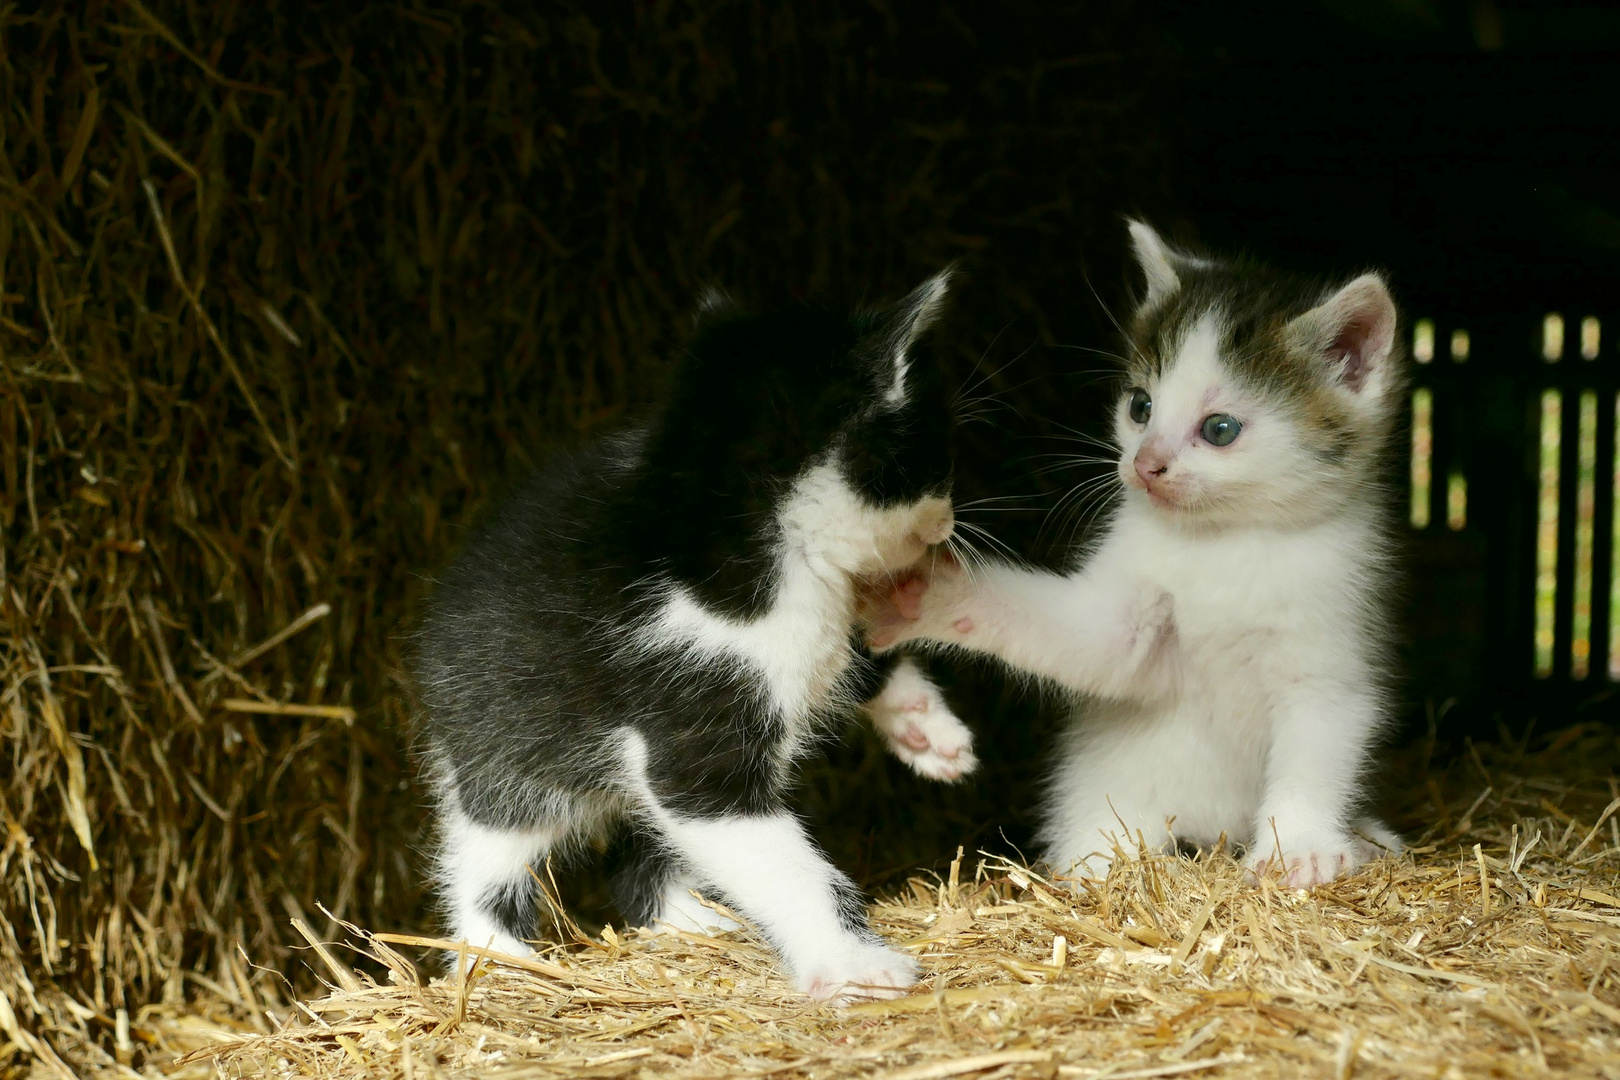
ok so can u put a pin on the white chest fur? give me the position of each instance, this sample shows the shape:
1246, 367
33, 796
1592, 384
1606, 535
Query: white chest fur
1294, 599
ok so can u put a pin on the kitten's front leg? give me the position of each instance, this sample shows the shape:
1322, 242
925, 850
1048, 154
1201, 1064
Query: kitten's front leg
766, 868
1305, 834
919, 726
1096, 633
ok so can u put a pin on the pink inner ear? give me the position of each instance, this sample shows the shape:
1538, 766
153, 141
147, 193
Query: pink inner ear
1363, 341
1361, 318
1350, 350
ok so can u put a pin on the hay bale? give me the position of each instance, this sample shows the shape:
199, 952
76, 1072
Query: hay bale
284, 292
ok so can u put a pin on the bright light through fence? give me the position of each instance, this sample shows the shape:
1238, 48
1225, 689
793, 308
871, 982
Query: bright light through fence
1614, 555
1459, 346
1552, 337
1552, 414
1423, 340
1580, 645
1456, 502
1422, 454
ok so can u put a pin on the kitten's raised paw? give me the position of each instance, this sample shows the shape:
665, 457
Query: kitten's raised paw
863, 973
932, 741
920, 729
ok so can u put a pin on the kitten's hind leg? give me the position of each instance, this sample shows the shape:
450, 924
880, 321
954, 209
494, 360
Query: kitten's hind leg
1132, 778
914, 719
653, 890
680, 910
485, 876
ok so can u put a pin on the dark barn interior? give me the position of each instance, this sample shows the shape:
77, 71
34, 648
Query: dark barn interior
289, 292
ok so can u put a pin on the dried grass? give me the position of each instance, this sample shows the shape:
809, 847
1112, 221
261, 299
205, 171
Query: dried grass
1490, 949
285, 292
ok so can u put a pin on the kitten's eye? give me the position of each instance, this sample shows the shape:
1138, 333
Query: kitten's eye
1141, 406
1220, 429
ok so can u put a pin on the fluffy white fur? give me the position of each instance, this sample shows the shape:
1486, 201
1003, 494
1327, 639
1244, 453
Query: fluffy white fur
683, 911
798, 648
1222, 630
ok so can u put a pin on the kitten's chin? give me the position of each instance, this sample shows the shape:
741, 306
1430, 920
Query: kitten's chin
1162, 501
1187, 508
905, 555
932, 523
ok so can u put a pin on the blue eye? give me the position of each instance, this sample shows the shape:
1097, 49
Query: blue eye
1141, 406
1220, 429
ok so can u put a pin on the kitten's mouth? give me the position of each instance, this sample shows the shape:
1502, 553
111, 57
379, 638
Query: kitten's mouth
1162, 495
1159, 493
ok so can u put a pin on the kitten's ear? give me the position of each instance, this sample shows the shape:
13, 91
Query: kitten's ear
1354, 332
901, 326
921, 308
1157, 260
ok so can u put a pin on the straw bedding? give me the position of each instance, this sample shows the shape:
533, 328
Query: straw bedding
1488, 950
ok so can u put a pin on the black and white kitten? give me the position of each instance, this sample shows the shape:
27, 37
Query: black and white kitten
651, 633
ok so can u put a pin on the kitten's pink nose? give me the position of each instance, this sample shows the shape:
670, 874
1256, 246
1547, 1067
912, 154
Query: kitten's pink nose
1151, 463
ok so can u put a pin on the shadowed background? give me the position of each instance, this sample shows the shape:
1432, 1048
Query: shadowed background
289, 292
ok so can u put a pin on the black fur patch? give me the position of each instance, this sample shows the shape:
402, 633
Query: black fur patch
639, 867
754, 401
512, 908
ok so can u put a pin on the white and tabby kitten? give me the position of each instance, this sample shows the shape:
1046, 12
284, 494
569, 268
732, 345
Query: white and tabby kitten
1228, 631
